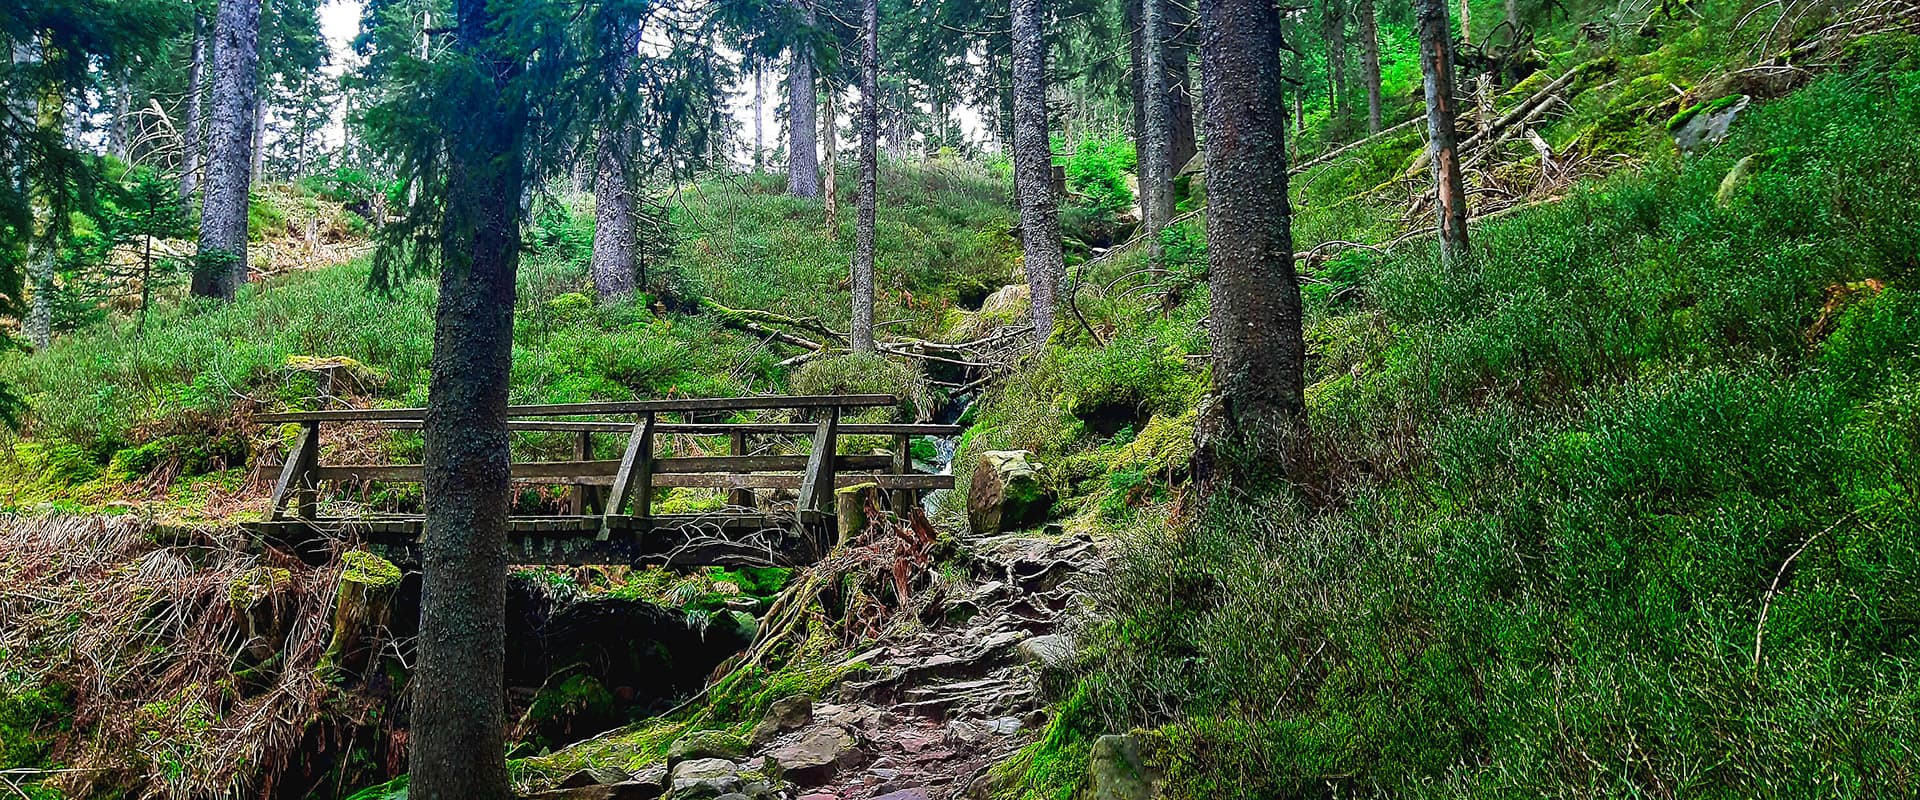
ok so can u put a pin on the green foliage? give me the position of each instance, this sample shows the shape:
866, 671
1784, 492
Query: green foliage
1097, 170
1568, 476
853, 373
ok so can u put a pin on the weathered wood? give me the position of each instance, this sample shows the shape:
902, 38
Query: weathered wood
583, 472
902, 499
581, 496
769, 480
305, 481
816, 486
295, 472
635, 474
713, 428
605, 409
741, 498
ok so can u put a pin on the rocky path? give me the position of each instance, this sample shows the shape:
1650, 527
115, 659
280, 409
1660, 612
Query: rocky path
953, 697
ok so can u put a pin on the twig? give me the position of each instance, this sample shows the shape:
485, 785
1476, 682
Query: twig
1773, 590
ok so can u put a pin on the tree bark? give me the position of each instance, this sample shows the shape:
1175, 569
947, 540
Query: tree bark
221, 264
861, 329
458, 733
1033, 165
759, 119
39, 322
1256, 418
191, 143
1333, 29
1513, 15
1181, 139
803, 160
1370, 61
830, 165
1436, 61
615, 237
1155, 157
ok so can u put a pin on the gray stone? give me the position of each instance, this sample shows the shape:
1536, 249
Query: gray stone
1006, 493
595, 776
785, 714
1052, 651
1118, 770
706, 744
704, 778
817, 755
1709, 121
618, 791
906, 794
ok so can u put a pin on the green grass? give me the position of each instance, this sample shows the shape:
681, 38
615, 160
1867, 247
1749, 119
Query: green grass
168, 393
1560, 479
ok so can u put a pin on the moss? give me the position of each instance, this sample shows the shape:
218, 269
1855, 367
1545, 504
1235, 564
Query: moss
1686, 115
366, 568
257, 584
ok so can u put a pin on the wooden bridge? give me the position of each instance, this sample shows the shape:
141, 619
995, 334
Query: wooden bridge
779, 509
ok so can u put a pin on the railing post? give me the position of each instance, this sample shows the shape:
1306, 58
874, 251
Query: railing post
635, 478
816, 488
309, 499
296, 476
903, 499
581, 499
740, 497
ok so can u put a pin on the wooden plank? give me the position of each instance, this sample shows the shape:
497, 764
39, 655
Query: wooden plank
711, 428
635, 466
586, 471
816, 488
290, 473
742, 498
776, 480
588, 409
902, 499
305, 482
578, 498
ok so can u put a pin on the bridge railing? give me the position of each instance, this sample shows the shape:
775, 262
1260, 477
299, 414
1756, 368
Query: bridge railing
605, 489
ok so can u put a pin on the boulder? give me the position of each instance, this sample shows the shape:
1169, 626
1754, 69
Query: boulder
704, 778
1706, 123
595, 776
817, 755
1118, 770
906, 794
706, 744
1052, 651
1006, 493
786, 714
617, 791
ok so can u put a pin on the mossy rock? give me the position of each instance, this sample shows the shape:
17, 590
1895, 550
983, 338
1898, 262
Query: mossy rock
572, 305
257, 584
707, 744
368, 569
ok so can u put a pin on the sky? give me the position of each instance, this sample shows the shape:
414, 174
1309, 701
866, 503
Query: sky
340, 23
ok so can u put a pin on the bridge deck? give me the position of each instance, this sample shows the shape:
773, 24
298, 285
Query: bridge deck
740, 535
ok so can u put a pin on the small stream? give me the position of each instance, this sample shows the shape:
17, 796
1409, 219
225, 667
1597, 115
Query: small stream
944, 449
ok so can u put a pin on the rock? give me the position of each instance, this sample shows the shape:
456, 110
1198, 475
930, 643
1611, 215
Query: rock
706, 744
820, 796
786, 714
1119, 772
1006, 493
654, 775
1008, 300
734, 796
1706, 123
617, 791
704, 778
595, 776
817, 755
1052, 651
906, 794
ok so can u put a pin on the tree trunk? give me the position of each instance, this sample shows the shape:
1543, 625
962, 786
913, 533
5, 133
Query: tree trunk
221, 264
117, 139
1370, 61
1466, 22
1333, 29
258, 151
803, 160
615, 238
1255, 420
861, 333
458, 742
39, 322
1513, 15
759, 120
1436, 61
1155, 156
191, 142
830, 142
1180, 138
1033, 165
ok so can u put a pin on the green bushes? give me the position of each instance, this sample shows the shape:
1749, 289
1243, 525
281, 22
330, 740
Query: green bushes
1568, 477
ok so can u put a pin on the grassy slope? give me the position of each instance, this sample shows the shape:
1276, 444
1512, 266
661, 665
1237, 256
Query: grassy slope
1559, 482
111, 406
